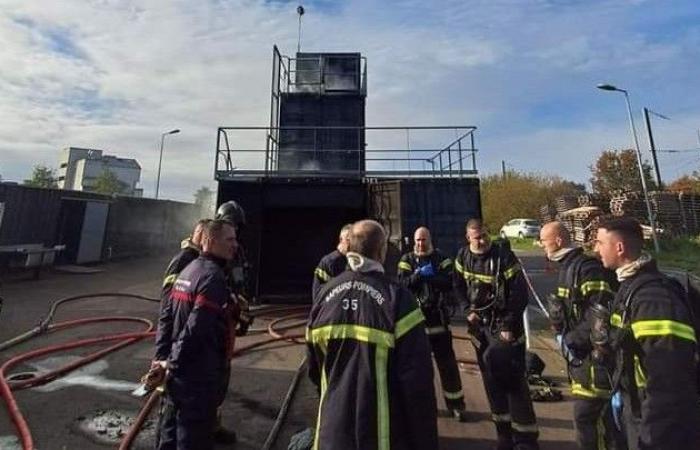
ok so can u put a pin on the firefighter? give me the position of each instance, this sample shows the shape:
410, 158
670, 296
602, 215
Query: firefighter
198, 361
655, 344
489, 282
334, 263
189, 251
369, 355
428, 275
238, 272
583, 289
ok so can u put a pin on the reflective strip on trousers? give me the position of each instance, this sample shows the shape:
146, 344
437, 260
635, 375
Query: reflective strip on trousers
436, 330
524, 427
453, 395
500, 418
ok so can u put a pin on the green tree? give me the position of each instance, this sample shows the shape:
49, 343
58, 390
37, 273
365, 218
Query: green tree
617, 170
520, 195
42, 177
107, 183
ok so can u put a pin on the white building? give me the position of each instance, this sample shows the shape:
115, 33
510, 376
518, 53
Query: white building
79, 167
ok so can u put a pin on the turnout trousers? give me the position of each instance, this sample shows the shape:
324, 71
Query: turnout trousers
595, 426
440, 338
502, 367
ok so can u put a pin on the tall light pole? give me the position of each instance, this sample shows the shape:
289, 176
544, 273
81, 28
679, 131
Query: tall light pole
633, 130
160, 159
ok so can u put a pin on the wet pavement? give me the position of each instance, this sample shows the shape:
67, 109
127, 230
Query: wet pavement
92, 407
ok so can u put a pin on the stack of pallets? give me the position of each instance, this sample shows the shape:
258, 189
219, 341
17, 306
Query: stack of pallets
580, 222
598, 200
547, 213
690, 212
566, 202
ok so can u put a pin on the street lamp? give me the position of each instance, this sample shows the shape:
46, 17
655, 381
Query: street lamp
160, 159
633, 130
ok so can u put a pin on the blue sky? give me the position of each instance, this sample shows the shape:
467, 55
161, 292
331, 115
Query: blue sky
116, 74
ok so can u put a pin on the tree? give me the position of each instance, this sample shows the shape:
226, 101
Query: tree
686, 183
520, 195
617, 170
204, 197
42, 177
107, 183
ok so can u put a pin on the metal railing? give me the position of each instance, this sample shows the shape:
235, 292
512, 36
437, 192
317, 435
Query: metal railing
375, 152
320, 74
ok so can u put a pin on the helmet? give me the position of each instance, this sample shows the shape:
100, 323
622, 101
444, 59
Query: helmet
232, 213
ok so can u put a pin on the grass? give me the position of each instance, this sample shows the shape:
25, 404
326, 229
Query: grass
680, 253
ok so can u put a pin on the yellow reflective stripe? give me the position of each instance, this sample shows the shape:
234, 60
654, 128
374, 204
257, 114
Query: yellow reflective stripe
590, 286
562, 292
645, 328
324, 388
321, 336
403, 265
407, 322
322, 274
381, 362
436, 330
600, 430
446, 263
500, 417
458, 267
640, 378
524, 427
589, 392
478, 276
170, 279
510, 272
453, 395
616, 320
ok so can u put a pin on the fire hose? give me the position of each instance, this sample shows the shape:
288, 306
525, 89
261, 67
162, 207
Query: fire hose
121, 340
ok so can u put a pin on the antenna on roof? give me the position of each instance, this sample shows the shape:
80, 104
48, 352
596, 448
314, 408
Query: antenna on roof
300, 11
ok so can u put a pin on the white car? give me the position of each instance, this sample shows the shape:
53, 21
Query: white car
521, 228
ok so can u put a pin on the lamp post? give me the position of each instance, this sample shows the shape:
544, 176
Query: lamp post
633, 130
160, 159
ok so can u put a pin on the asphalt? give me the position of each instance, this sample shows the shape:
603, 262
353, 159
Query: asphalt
100, 394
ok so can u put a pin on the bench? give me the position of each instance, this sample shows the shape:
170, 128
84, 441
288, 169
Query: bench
29, 256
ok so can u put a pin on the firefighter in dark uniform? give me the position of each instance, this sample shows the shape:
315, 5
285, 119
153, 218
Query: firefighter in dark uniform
370, 357
488, 280
198, 361
238, 276
189, 251
428, 275
584, 292
655, 344
333, 264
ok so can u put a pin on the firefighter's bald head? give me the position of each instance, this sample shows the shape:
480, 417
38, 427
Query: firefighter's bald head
368, 238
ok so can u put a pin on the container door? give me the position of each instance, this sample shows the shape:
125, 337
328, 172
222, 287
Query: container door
384, 206
93, 232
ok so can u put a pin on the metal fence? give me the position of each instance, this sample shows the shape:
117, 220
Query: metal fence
440, 151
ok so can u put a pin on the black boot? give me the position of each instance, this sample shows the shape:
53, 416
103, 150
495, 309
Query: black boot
504, 436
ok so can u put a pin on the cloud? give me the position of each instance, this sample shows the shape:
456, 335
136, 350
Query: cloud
116, 74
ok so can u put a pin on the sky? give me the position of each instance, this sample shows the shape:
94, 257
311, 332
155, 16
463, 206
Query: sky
116, 74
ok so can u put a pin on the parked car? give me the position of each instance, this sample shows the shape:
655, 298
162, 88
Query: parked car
521, 228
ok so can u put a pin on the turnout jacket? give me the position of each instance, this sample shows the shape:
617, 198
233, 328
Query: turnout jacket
656, 347
188, 253
481, 280
331, 265
200, 298
370, 357
582, 283
429, 291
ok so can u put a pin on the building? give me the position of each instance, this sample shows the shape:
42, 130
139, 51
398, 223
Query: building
80, 167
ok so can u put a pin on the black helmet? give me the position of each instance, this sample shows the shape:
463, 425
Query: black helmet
232, 213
